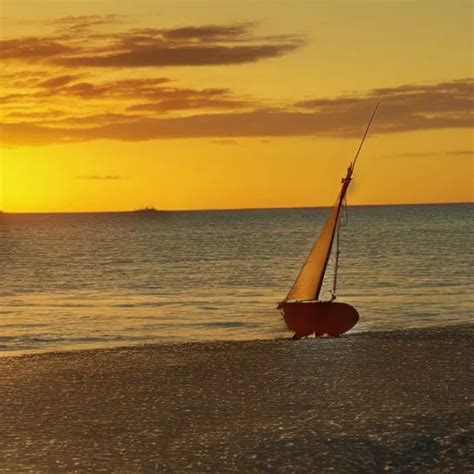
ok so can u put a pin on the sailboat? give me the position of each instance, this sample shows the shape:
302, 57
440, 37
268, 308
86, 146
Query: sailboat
302, 310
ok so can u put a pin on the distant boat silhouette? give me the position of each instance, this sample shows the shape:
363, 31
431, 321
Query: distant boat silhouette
304, 314
147, 210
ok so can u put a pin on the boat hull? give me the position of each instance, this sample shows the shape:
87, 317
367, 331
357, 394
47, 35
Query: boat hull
315, 317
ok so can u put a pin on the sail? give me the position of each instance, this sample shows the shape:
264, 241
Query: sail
307, 285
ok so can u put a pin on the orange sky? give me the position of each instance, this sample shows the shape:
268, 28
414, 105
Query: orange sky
231, 104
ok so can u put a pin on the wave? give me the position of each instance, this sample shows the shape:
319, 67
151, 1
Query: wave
11, 342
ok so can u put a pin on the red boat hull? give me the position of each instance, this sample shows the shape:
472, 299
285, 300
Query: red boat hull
319, 318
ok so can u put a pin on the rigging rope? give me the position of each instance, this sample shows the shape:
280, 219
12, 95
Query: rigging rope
343, 218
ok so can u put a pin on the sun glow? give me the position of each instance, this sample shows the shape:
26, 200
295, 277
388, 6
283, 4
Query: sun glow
232, 114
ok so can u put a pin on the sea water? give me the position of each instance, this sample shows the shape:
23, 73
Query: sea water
97, 280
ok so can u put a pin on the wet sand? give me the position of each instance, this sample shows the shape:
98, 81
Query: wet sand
375, 401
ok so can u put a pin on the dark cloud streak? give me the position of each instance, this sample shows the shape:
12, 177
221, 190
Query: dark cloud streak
33, 48
462, 152
431, 153
155, 95
159, 56
77, 46
58, 81
101, 177
81, 23
407, 107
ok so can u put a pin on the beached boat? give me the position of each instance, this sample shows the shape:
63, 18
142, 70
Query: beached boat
304, 314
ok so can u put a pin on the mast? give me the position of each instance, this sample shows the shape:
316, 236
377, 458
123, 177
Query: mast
307, 285
365, 135
344, 205
336, 263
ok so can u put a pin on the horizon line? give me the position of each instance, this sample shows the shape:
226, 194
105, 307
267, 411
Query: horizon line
131, 211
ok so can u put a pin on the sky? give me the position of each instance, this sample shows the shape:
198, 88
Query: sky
223, 104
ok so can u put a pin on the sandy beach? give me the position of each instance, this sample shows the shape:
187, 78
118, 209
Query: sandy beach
376, 401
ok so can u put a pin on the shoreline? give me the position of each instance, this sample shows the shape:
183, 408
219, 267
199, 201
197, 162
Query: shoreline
397, 400
4, 354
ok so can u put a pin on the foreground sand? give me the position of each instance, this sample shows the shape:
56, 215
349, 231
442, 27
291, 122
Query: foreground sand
398, 400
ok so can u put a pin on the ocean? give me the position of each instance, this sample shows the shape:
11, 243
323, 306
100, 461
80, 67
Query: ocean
71, 281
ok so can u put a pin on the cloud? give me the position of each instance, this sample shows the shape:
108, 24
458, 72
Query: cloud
409, 154
132, 96
90, 120
33, 48
123, 88
258, 123
431, 153
27, 134
84, 22
225, 142
58, 81
461, 152
100, 177
77, 45
34, 116
403, 109
206, 33
192, 100
23, 78
159, 56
